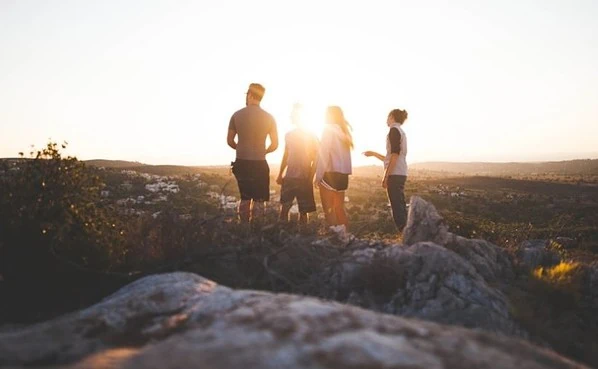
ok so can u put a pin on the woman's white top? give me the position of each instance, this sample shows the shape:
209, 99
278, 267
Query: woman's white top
400, 167
334, 154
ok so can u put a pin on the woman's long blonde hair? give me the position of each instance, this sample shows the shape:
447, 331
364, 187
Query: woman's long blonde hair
336, 116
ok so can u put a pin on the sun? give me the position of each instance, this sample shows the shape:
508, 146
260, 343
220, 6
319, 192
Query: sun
310, 116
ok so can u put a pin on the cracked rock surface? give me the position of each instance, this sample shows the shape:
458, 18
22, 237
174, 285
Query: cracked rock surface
435, 276
181, 320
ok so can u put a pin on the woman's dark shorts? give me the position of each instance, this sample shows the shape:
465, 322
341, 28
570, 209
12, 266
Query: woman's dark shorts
301, 189
335, 181
253, 178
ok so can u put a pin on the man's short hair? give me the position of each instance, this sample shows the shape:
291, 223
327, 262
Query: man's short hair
257, 91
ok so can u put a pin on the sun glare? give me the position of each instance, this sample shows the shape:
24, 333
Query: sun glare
311, 116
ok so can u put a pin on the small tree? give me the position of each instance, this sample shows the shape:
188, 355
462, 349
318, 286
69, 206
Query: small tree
51, 216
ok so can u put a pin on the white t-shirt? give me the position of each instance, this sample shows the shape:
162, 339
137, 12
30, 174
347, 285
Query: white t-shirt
334, 154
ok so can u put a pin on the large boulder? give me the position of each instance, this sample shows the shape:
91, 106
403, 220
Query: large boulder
182, 320
435, 276
424, 224
490, 261
425, 281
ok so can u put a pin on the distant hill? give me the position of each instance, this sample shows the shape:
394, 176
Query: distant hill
568, 167
163, 170
114, 163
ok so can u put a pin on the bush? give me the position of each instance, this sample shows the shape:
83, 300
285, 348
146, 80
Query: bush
562, 283
51, 216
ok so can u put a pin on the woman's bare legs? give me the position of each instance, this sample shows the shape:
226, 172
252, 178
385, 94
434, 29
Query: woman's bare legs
339, 209
327, 197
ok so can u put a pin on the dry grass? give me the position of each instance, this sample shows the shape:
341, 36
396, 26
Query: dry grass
552, 304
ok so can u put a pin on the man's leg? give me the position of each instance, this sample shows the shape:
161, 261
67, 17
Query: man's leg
303, 218
287, 195
257, 210
305, 200
284, 211
260, 190
244, 210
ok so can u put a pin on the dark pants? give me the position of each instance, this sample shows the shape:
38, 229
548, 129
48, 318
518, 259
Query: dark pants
396, 195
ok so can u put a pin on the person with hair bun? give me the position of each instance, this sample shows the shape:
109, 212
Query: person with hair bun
395, 165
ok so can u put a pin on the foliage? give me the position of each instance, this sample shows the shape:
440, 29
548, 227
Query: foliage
565, 280
50, 212
554, 305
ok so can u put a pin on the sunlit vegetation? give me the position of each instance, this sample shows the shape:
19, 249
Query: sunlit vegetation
70, 233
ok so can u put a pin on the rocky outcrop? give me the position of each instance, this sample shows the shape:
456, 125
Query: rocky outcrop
182, 320
537, 253
489, 260
424, 224
435, 276
425, 281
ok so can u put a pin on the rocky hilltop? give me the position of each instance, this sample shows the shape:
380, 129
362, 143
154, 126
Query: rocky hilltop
383, 295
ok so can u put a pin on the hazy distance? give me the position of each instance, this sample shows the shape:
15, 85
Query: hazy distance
156, 81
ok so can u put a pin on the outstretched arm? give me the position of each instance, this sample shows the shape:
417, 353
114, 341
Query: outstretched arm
374, 154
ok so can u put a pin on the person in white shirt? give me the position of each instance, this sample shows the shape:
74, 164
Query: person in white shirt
334, 166
395, 165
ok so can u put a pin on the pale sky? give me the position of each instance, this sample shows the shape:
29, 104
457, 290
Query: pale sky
157, 81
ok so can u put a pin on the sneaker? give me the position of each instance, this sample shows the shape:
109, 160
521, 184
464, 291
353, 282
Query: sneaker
340, 232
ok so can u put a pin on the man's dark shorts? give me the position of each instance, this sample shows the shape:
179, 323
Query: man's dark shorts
301, 189
253, 178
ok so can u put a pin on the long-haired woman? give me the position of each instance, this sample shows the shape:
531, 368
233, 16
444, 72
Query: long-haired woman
334, 166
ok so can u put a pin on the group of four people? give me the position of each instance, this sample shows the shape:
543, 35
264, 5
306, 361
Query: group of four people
308, 162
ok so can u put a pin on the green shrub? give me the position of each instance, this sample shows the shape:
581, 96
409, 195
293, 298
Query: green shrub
51, 216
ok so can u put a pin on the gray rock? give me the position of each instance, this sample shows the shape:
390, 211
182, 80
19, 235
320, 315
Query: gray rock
489, 260
425, 281
536, 253
424, 224
181, 320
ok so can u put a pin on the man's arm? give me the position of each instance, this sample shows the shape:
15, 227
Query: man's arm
232, 132
273, 138
230, 139
283, 165
313, 157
